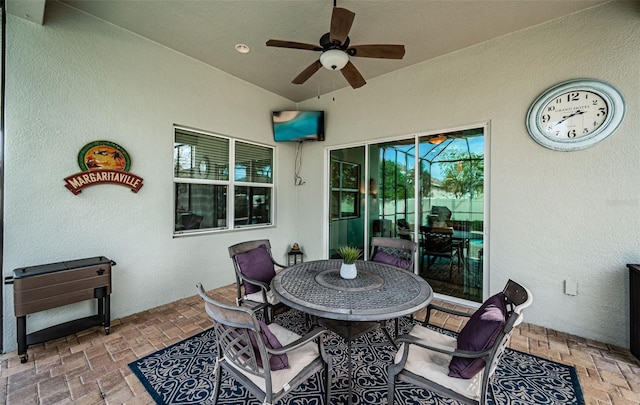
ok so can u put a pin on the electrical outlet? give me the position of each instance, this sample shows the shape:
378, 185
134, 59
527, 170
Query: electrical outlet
570, 287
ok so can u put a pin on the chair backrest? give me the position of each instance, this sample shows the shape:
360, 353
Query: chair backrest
517, 298
436, 240
262, 273
244, 247
400, 248
233, 326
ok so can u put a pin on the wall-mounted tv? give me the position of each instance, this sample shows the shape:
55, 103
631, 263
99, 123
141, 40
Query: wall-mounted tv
298, 126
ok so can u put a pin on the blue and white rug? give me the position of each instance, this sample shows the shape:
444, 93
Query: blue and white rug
183, 374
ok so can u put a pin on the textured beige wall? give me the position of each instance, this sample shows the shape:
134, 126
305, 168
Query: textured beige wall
553, 216
75, 80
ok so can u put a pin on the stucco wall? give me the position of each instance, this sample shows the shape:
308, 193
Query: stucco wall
553, 216
75, 80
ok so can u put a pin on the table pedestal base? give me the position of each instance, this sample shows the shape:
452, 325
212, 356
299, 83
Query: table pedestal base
350, 331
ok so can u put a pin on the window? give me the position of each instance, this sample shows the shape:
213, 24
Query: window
220, 183
345, 189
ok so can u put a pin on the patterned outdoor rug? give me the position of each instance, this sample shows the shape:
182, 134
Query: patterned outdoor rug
183, 374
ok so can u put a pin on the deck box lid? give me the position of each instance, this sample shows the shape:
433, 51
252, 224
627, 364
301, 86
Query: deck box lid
30, 271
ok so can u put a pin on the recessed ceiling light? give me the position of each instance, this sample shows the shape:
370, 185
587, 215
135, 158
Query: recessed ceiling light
242, 48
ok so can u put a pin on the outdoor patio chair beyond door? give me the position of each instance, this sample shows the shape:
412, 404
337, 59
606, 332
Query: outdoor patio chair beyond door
439, 243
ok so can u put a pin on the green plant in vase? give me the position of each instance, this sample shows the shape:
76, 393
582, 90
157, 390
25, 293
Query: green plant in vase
349, 256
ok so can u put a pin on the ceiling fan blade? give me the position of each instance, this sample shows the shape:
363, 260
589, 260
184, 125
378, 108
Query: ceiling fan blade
307, 73
352, 75
378, 51
341, 21
293, 45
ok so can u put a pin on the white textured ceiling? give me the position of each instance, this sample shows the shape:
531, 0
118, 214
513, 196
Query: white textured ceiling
208, 30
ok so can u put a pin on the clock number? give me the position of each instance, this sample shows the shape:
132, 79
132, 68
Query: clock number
601, 111
551, 108
594, 102
546, 118
573, 97
585, 130
571, 133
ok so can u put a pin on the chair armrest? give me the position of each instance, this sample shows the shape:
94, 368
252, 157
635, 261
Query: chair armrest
309, 336
282, 266
451, 311
261, 284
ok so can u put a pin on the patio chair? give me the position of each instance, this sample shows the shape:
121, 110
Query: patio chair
438, 242
254, 268
395, 252
268, 360
460, 368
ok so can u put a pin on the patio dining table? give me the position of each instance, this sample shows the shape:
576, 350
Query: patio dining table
351, 307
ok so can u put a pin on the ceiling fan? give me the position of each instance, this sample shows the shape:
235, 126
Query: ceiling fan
336, 50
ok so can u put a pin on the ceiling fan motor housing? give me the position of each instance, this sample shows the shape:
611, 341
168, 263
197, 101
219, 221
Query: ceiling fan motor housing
326, 44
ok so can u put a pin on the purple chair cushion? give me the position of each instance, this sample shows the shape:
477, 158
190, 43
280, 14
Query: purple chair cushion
382, 257
256, 264
478, 334
276, 361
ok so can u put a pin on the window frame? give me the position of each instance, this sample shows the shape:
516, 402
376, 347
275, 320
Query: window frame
230, 184
344, 191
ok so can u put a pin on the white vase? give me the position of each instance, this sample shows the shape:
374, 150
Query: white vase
348, 271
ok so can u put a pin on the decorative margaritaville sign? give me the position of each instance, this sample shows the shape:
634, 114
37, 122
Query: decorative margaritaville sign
103, 162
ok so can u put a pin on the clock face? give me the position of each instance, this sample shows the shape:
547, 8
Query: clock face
575, 115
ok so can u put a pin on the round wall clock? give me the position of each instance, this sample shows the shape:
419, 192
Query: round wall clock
575, 114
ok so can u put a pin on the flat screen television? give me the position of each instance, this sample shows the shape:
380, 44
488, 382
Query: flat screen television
298, 126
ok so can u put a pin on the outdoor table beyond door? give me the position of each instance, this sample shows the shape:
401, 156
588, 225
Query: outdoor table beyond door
379, 292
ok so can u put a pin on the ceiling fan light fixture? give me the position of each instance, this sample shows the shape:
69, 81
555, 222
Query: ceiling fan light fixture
334, 59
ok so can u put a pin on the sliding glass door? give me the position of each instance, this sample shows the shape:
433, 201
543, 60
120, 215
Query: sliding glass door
451, 220
427, 188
